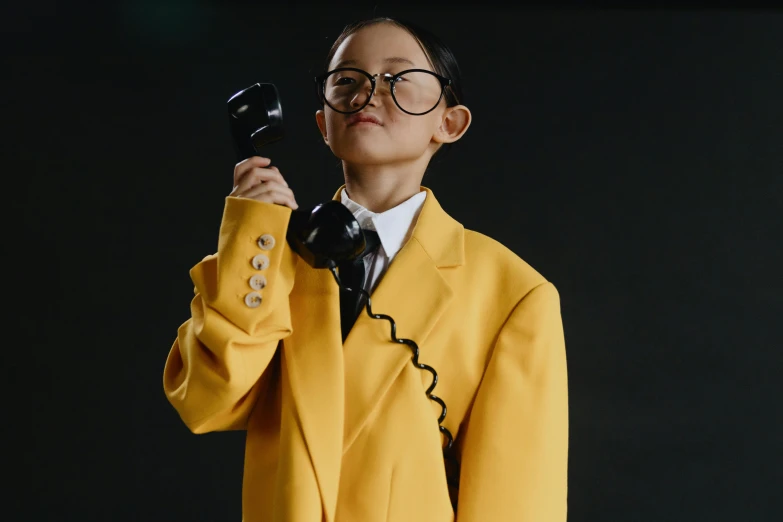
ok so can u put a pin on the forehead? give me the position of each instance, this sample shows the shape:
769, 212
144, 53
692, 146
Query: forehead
381, 46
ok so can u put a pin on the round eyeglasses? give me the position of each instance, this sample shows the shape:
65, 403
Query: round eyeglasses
348, 89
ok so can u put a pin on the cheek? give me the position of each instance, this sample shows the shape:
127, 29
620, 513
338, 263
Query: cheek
331, 126
414, 129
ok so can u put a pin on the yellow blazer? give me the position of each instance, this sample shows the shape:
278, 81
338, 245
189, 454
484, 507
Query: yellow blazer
344, 432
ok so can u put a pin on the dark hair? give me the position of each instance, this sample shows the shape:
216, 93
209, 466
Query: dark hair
440, 56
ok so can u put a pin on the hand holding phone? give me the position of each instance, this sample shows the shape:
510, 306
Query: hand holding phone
254, 178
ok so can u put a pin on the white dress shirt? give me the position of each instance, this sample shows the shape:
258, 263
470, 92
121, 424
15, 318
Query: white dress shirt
394, 228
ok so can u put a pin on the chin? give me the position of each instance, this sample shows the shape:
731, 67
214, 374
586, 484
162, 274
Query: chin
366, 155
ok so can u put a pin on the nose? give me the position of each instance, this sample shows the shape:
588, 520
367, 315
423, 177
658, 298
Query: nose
382, 84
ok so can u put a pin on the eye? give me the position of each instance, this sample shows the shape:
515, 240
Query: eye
340, 81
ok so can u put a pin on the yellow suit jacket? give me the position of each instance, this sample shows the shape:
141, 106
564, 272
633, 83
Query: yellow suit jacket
344, 432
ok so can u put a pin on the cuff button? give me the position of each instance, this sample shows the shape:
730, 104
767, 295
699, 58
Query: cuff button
257, 282
266, 242
253, 299
260, 262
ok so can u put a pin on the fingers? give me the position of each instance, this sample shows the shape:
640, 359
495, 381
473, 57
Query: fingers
245, 166
253, 176
272, 192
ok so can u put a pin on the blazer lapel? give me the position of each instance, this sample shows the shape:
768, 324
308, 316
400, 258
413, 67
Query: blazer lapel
414, 294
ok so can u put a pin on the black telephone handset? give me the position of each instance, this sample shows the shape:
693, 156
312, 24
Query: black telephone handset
325, 235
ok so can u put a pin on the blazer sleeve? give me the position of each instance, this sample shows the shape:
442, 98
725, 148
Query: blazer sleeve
227, 343
514, 451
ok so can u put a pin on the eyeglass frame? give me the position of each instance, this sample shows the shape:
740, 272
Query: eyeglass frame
320, 82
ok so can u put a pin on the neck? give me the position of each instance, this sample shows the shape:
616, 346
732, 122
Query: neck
381, 187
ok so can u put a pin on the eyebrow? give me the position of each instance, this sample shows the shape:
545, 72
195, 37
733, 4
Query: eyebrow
391, 59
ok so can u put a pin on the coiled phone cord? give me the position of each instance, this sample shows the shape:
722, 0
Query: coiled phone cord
414, 348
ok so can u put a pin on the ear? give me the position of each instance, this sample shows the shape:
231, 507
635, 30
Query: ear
453, 125
320, 119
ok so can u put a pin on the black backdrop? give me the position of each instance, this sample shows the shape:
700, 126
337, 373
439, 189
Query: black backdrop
633, 157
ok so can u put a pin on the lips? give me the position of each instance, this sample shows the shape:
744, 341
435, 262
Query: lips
362, 118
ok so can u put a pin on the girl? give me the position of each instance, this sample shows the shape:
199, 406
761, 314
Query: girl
340, 425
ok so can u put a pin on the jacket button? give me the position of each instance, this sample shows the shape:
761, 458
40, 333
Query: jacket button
260, 262
253, 299
266, 242
257, 282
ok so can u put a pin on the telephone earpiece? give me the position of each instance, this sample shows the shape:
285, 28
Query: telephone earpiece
256, 118
325, 235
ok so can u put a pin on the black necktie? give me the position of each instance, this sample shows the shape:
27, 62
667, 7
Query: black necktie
352, 275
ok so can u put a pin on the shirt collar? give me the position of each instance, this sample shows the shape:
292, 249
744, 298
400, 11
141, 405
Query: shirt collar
394, 225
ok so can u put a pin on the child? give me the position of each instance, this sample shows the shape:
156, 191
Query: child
339, 427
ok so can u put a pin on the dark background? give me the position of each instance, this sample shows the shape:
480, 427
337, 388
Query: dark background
633, 157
